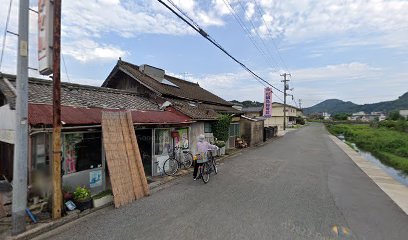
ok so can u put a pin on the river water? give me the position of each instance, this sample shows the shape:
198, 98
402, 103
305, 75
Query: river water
396, 174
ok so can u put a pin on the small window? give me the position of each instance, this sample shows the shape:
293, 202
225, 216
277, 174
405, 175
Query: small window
162, 142
40, 152
207, 127
82, 151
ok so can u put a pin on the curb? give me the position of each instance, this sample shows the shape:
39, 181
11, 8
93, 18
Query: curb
41, 228
395, 190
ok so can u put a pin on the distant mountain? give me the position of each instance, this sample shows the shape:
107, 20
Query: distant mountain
248, 103
338, 106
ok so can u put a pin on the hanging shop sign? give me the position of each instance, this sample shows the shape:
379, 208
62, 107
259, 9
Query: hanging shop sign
45, 36
267, 109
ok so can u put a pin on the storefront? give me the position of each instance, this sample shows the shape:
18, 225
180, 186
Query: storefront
164, 143
156, 145
83, 160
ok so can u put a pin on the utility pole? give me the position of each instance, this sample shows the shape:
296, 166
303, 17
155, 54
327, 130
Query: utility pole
56, 96
300, 104
19, 199
285, 88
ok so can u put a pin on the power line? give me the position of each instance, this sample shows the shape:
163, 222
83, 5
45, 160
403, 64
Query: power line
210, 39
247, 32
5, 33
270, 32
269, 54
65, 67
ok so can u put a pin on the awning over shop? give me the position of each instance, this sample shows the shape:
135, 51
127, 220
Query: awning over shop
39, 114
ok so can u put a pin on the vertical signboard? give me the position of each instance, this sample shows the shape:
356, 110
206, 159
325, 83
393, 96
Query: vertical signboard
45, 36
267, 109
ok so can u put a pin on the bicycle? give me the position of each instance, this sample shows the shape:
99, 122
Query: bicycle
179, 157
204, 172
212, 163
160, 170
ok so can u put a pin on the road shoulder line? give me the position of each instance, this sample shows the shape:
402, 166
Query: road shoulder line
395, 190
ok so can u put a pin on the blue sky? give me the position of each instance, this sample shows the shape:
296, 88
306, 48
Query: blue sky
354, 50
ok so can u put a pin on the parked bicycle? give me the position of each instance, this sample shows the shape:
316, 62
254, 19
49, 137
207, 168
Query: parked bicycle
179, 158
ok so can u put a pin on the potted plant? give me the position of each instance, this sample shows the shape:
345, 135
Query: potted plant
82, 198
102, 198
221, 146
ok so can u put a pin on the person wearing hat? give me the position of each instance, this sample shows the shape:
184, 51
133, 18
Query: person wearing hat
202, 149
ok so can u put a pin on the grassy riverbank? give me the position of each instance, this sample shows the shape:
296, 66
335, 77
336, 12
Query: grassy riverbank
389, 146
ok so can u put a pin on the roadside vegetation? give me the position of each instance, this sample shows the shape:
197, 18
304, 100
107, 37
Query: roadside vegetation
387, 140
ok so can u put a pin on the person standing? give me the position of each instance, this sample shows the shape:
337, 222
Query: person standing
202, 149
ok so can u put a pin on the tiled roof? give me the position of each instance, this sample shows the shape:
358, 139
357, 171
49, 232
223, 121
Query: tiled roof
39, 114
185, 90
193, 110
252, 109
40, 91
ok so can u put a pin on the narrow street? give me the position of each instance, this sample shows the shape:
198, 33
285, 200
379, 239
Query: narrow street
296, 187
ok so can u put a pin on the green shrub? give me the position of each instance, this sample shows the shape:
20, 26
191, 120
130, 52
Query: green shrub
82, 193
221, 127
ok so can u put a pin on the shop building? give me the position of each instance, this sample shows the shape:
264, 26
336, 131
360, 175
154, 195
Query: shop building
187, 97
83, 160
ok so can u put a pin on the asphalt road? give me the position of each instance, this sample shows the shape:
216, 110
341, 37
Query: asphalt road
296, 187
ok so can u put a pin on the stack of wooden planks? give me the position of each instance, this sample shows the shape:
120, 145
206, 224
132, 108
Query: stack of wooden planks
125, 165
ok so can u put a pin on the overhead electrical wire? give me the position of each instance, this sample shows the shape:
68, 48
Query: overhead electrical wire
270, 33
249, 34
198, 29
5, 33
268, 52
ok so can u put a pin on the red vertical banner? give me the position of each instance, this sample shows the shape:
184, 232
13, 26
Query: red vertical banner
267, 109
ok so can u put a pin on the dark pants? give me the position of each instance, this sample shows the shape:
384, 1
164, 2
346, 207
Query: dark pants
196, 165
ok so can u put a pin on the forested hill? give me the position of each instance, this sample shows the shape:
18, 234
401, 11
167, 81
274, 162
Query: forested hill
248, 103
339, 106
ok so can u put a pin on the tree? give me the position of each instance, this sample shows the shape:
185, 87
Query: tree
221, 127
394, 115
340, 116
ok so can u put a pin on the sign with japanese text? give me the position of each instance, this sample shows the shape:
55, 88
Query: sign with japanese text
267, 110
45, 36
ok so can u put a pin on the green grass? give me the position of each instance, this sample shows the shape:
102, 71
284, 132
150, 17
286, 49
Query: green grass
389, 146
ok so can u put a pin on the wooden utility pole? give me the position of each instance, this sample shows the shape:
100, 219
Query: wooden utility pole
285, 88
56, 104
19, 200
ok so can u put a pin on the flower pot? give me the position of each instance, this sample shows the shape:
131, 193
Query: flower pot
222, 151
83, 204
102, 201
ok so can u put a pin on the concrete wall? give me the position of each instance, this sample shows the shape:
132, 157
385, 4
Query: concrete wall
252, 131
257, 133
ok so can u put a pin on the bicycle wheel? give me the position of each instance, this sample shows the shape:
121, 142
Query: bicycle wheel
188, 160
206, 172
170, 166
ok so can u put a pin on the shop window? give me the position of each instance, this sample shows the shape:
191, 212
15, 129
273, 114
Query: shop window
207, 127
162, 143
182, 139
81, 151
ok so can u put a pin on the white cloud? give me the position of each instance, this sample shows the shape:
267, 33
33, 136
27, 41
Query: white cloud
343, 72
250, 10
90, 50
298, 21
